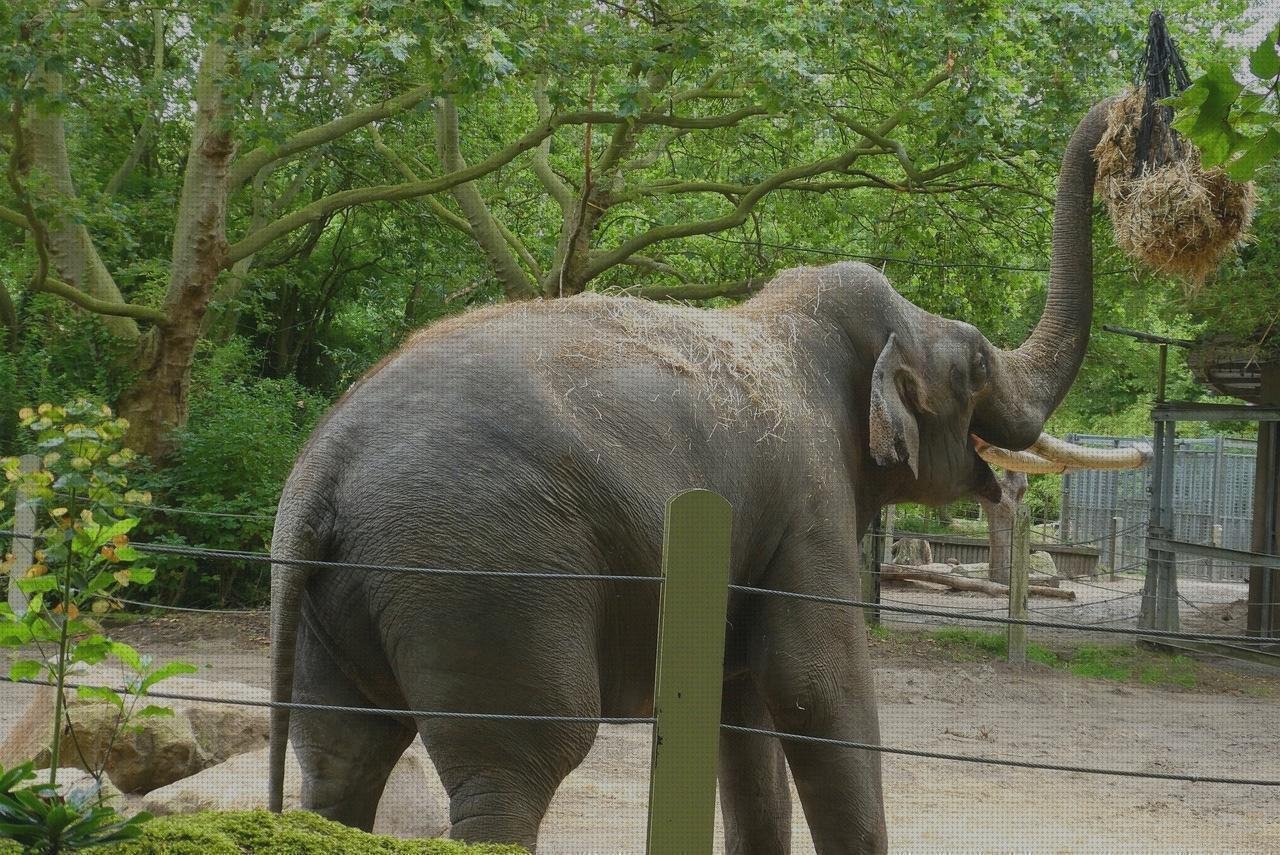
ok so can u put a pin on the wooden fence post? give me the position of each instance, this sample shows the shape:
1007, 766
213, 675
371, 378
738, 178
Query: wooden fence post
690, 674
24, 519
1113, 546
1017, 636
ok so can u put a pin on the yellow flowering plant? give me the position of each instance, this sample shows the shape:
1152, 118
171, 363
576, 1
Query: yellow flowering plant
83, 558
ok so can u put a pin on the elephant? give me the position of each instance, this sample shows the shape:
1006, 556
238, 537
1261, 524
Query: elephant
548, 436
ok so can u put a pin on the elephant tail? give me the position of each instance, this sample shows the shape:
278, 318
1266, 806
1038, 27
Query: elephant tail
302, 521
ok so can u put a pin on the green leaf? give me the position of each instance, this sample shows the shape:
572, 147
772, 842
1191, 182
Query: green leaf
101, 693
1258, 153
25, 669
1264, 62
173, 669
93, 649
99, 582
126, 654
40, 584
154, 711
141, 575
123, 526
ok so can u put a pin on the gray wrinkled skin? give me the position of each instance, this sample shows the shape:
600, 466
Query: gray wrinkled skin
549, 436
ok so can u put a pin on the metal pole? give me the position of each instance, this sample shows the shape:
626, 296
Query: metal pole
1215, 512
1169, 576
1112, 546
24, 547
1150, 585
689, 674
1017, 634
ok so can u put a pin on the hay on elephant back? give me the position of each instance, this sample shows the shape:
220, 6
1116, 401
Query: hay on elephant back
1177, 218
745, 368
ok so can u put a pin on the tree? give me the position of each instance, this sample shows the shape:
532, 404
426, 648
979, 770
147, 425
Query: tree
572, 145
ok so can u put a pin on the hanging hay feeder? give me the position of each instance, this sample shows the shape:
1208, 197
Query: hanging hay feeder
1167, 211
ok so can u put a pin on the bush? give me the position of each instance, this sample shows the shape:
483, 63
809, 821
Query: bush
299, 832
240, 441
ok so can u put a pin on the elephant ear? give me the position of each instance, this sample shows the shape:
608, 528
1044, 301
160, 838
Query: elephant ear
896, 401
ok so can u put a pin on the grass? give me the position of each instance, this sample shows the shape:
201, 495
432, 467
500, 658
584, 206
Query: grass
1091, 661
296, 833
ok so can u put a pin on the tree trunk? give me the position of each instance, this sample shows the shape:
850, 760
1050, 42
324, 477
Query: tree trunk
156, 404
71, 250
8, 320
1000, 517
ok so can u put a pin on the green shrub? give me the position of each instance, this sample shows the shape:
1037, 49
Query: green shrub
232, 458
296, 833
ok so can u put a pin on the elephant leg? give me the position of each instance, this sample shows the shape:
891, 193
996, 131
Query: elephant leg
818, 682
755, 799
501, 775
345, 758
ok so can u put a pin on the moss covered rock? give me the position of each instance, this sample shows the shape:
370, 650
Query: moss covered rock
295, 833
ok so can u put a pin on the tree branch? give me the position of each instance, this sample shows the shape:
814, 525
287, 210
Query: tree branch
554, 185
644, 262
484, 226
150, 121
449, 218
758, 191
698, 291
102, 307
244, 167
253, 242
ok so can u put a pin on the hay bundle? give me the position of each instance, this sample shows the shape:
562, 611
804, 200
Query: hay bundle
1174, 216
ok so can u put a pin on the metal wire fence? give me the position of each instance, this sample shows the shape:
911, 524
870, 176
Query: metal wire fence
912, 611
1213, 482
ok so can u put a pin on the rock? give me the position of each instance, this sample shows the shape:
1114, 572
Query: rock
1042, 562
912, 552
164, 750
30, 709
414, 804
148, 754
954, 562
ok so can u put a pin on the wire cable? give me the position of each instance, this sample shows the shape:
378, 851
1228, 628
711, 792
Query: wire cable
996, 761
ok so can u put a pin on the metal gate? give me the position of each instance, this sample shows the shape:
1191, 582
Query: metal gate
1212, 486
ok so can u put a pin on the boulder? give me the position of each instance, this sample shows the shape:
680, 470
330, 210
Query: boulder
147, 754
160, 751
1042, 562
414, 804
912, 552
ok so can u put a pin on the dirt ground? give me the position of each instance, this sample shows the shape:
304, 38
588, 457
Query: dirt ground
1213, 717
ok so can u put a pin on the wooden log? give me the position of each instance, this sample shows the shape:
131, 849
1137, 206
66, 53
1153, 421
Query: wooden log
900, 572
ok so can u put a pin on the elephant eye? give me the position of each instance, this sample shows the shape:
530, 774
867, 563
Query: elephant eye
980, 372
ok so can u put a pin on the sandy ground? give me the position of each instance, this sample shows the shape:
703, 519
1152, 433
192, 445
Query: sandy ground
932, 699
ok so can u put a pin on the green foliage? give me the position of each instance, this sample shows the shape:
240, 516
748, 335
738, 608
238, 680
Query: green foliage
1093, 661
231, 458
44, 821
1235, 127
300, 833
994, 644
305, 316
83, 558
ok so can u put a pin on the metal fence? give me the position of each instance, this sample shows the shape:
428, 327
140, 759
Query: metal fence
1212, 487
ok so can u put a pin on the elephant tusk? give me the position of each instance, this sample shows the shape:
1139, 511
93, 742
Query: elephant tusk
1049, 455
1082, 457
1018, 461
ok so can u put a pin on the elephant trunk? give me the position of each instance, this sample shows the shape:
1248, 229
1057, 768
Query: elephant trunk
1028, 383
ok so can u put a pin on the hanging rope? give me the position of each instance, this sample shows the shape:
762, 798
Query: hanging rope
1160, 60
